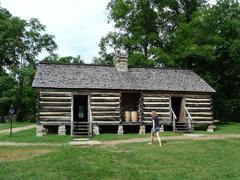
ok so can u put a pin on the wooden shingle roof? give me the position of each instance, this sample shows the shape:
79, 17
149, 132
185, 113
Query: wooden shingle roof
76, 76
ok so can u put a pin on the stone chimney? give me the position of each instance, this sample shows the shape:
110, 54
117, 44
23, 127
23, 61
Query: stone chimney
121, 62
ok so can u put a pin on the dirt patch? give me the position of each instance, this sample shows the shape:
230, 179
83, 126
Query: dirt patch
21, 154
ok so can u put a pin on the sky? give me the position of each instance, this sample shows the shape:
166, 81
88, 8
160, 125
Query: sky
77, 25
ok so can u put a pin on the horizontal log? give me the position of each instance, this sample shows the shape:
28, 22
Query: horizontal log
107, 97
205, 114
55, 108
201, 118
155, 95
54, 123
198, 96
106, 122
55, 103
156, 99
156, 103
46, 93
105, 94
105, 103
201, 122
156, 108
104, 108
158, 113
105, 100
55, 113
197, 100
198, 105
53, 97
104, 117
198, 108
56, 119
105, 112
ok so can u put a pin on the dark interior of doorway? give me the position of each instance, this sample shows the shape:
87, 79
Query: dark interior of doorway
80, 112
177, 106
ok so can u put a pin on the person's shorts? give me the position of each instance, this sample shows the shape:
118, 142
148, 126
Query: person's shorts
154, 130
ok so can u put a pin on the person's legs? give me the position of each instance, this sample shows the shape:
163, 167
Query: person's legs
159, 140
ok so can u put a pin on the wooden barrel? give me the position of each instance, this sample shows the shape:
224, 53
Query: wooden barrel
134, 116
127, 116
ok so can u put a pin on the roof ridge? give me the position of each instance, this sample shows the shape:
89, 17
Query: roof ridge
109, 65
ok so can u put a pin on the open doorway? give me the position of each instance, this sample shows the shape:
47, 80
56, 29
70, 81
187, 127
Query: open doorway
80, 108
177, 106
80, 116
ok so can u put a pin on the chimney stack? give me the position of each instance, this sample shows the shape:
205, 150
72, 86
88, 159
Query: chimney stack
121, 62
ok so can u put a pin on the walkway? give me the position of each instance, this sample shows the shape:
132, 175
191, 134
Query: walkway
195, 137
17, 129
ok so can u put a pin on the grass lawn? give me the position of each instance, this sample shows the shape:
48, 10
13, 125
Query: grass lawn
30, 136
213, 159
4, 126
222, 128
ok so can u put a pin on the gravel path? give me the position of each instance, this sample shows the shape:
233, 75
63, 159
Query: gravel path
195, 137
17, 129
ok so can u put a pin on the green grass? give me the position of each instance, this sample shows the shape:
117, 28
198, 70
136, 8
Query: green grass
223, 128
30, 136
108, 137
213, 159
4, 126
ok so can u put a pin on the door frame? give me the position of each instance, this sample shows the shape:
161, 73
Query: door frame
183, 103
89, 108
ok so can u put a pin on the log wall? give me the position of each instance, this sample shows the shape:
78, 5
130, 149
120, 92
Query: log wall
54, 107
105, 107
159, 103
200, 108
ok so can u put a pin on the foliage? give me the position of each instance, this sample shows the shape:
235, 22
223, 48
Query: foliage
21, 42
210, 45
66, 59
144, 28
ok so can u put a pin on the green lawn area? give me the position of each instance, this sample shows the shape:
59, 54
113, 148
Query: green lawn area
223, 128
4, 126
213, 159
30, 135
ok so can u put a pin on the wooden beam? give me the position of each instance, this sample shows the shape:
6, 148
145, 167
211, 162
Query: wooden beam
107, 97
155, 103
55, 103
104, 103
156, 98
54, 113
201, 118
156, 108
105, 112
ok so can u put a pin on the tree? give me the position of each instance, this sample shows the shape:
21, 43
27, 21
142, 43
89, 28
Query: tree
21, 42
65, 59
210, 45
144, 28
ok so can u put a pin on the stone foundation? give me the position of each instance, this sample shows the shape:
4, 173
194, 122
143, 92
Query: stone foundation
62, 130
161, 129
40, 131
142, 130
211, 128
96, 130
120, 130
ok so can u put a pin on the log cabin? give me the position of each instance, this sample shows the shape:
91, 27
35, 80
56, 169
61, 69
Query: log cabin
86, 99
